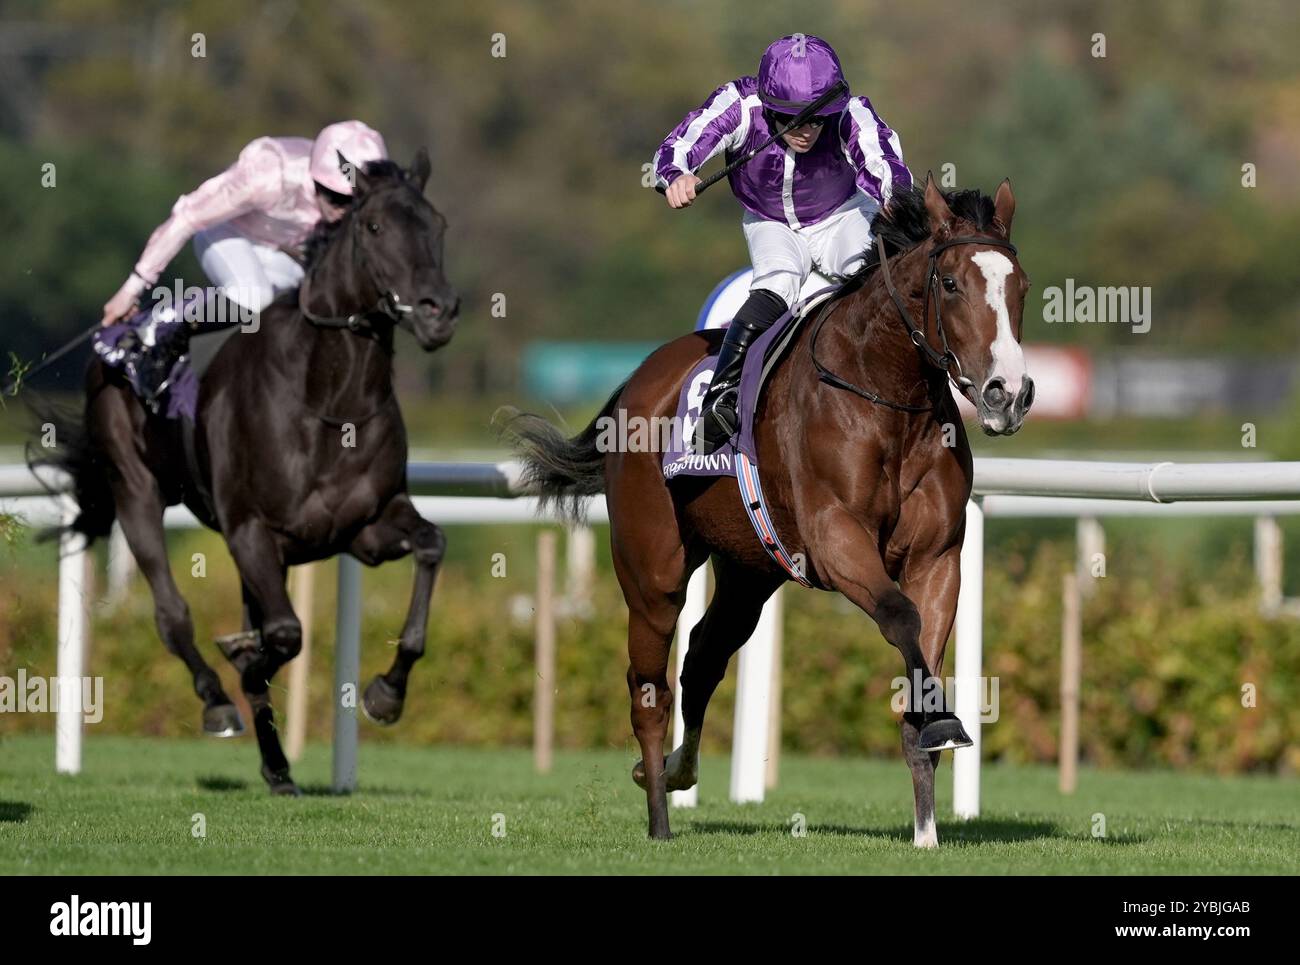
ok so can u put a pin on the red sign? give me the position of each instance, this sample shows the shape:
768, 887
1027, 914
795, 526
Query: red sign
1062, 383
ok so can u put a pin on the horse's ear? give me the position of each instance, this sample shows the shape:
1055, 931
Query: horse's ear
941, 216
418, 173
1004, 206
355, 174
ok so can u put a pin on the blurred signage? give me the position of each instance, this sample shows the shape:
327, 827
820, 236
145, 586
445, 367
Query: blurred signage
1162, 387
1069, 383
1063, 378
565, 372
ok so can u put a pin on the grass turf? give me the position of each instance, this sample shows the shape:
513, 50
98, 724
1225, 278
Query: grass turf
132, 811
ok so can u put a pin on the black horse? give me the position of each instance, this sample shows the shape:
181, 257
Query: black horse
299, 447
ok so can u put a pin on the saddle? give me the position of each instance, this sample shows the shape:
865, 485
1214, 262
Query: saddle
760, 362
125, 346
121, 346
740, 457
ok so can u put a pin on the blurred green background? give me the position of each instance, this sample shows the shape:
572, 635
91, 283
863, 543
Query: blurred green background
1127, 171
1127, 168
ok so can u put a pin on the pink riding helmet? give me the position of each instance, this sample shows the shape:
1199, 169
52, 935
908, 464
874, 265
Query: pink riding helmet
795, 71
356, 141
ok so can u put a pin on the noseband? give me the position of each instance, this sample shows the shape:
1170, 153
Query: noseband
943, 361
389, 304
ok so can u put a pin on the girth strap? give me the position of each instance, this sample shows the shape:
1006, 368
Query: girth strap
751, 494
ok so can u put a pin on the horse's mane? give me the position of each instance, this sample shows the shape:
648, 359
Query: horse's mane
378, 172
905, 224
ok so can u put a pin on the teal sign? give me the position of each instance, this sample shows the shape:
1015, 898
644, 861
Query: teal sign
564, 372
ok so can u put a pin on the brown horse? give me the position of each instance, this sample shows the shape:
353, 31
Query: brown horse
867, 487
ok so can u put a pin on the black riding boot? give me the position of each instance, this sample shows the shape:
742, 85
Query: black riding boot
151, 368
718, 416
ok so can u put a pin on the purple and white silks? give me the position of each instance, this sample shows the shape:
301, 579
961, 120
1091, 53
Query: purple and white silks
856, 151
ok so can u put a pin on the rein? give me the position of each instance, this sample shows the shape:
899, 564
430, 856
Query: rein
943, 361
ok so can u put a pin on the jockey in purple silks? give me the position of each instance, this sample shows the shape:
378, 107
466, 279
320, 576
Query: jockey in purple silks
809, 197
248, 224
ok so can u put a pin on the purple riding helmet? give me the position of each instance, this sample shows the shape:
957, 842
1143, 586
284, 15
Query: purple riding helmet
797, 70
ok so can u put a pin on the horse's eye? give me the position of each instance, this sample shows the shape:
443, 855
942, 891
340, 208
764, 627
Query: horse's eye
948, 284
373, 227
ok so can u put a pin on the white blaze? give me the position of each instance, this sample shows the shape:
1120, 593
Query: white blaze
1008, 359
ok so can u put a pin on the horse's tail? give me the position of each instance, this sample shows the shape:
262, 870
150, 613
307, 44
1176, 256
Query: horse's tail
562, 471
65, 445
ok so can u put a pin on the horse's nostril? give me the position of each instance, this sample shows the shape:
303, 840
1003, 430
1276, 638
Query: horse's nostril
995, 393
440, 309
1028, 393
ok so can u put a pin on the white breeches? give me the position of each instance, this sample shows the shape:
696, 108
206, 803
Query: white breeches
784, 257
249, 274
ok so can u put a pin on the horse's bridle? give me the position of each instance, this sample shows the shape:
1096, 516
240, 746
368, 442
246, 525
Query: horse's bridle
943, 361
390, 302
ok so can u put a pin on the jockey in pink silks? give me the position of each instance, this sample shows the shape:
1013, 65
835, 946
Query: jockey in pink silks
247, 224
809, 196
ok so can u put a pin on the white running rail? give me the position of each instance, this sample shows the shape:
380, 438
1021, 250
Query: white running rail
466, 493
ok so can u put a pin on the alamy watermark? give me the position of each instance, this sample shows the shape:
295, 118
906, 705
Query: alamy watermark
130, 919
624, 433
209, 305
45, 695
933, 695
1085, 304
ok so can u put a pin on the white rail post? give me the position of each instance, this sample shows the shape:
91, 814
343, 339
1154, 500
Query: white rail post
1268, 563
347, 668
580, 564
753, 709
697, 591
1090, 541
302, 593
772, 771
969, 661
74, 593
544, 681
1071, 674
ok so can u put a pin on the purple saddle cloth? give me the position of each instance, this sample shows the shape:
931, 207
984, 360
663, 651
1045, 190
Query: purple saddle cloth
760, 360
180, 394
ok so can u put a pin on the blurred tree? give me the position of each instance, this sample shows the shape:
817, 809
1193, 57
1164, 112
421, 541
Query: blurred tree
1127, 168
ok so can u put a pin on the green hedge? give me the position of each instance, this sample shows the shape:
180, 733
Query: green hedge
1166, 653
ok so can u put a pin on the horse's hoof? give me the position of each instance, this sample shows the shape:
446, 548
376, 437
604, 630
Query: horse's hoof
381, 702
944, 734
280, 782
222, 720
